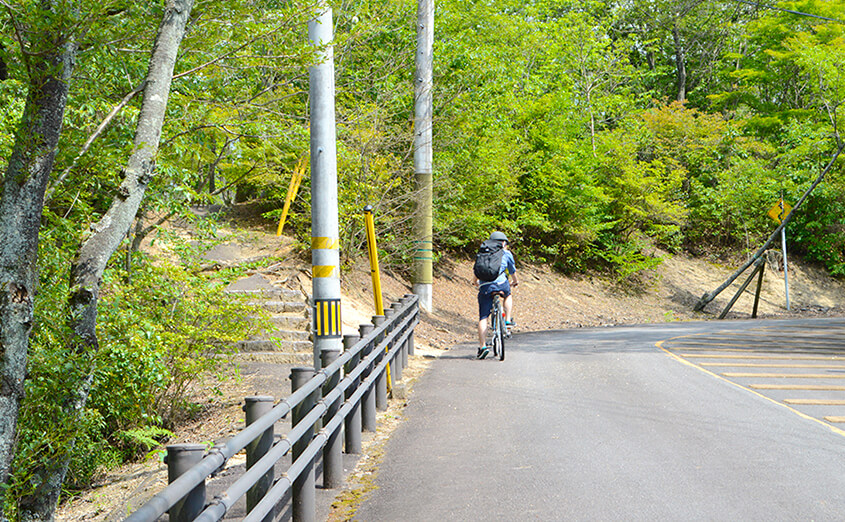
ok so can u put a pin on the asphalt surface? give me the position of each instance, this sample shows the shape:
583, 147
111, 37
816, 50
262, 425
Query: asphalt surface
669, 422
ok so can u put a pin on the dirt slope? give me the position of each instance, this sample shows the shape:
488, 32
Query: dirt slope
544, 300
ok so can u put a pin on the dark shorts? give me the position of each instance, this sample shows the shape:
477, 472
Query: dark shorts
485, 296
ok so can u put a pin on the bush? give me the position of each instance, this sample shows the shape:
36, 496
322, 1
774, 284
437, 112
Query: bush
159, 333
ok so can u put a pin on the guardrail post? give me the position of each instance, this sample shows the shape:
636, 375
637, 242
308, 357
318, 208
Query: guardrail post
181, 458
396, 362
381, 380
368, 401
352, 422
408, 298
403, 350
333, 450
255, 407
304, 493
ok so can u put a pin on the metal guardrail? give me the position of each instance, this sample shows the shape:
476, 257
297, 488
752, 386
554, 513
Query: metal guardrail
319, 398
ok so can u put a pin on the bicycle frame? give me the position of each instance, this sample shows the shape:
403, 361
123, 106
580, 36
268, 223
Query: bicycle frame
497, 327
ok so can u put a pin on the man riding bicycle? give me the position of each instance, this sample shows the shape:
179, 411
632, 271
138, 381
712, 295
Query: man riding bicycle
487, 289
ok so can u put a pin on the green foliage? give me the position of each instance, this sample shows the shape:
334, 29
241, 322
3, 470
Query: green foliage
138, 442
11, 108
552, 123
161, 328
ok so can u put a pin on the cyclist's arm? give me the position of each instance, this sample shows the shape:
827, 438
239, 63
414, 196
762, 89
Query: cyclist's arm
511, 269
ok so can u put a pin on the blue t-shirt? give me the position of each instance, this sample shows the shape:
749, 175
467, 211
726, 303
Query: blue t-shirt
508, 267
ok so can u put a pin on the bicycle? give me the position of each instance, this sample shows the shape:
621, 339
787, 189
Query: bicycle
497, 326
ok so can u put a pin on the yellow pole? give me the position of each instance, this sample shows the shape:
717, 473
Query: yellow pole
373, 251
374, 271
295, 180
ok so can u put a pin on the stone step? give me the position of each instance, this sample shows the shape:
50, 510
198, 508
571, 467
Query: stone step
291, 322
284, 335
305, 359
276, 346
279, 307
284, 294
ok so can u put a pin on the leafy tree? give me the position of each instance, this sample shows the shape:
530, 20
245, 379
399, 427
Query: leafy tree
680, 43
49, 48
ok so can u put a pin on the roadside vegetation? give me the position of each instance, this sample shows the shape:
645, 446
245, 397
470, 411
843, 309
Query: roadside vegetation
588, 131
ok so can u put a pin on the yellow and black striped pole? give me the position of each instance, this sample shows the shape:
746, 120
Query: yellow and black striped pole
325, 257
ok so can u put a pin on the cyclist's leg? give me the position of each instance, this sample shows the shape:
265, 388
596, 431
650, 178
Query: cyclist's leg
485, 304
482, 331
509, 308
507, 302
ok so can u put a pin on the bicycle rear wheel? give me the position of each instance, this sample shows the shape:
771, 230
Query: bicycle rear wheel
494, 327
501, 336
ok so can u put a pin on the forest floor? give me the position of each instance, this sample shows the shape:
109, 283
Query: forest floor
544, 300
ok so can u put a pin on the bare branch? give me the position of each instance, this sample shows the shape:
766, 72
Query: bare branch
100, 128
226, 55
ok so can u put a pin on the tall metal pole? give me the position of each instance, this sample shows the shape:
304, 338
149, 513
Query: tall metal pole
785, 266
781, 216
422, 273
325, 259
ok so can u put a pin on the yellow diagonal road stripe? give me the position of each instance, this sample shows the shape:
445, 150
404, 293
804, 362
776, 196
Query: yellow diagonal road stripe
815, 402
784, 375
751, 388
774, 365
766, 357
818, 387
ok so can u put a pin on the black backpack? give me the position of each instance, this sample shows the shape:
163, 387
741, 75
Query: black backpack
488, 260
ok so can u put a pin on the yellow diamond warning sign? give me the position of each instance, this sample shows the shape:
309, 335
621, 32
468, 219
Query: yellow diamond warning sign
779, 211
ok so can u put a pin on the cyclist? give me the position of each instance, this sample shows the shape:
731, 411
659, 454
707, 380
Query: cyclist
486, 291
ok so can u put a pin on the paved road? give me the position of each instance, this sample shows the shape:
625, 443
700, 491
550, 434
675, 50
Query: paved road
636, 423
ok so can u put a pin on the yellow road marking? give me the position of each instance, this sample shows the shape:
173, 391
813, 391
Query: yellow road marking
768, 337
708, 348
816, 402
767, 357
822, 387
832, 428
784, 375
764, 365
692, 345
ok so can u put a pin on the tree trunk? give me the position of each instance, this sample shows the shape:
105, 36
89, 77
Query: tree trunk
106, 236
680, 64
21, 208
4, 69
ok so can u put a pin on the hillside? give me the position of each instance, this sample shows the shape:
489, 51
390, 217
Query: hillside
544, 300
547, 300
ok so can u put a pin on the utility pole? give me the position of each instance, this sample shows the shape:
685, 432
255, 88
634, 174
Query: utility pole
325, 259
422, 273
783, 247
